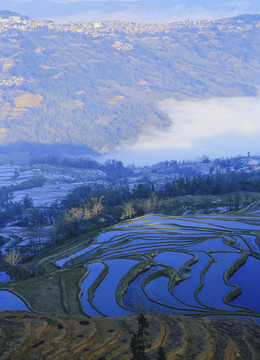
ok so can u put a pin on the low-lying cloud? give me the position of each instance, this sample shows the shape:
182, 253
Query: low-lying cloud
216, 127
194, 120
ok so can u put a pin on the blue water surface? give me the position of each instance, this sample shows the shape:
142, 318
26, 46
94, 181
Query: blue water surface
105, 294
9, 301
248, 278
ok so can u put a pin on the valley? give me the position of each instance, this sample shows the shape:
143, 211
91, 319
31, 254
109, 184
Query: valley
81, 232
98, 85
129, 181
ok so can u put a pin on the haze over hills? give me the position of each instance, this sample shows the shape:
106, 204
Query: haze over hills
99, 84
134, 10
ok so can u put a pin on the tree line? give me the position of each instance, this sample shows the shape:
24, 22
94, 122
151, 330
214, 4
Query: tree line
91, 208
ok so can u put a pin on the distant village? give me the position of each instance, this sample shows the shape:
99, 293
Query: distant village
11, 80
172, 170
110, 28
103, 28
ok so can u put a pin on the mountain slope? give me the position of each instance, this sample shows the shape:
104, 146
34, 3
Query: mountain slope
98, 84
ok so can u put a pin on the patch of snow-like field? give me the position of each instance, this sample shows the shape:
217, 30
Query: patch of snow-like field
46, 194
32, 236
60, 180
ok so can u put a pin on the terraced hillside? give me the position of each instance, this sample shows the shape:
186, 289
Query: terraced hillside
197, 266
29, 336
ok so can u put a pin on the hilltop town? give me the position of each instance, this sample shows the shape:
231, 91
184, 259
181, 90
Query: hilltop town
102, 28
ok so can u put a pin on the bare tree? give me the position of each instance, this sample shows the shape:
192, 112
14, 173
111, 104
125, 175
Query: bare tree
12, 258
93, 208
128, 212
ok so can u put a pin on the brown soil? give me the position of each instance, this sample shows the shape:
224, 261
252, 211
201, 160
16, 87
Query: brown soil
28, 336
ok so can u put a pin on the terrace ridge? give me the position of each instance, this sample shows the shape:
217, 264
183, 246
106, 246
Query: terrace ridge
73, 337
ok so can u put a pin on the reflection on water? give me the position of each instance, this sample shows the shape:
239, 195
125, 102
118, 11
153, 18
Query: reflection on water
9, 301
248, 278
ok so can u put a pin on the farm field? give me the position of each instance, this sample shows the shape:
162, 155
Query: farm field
196, 266
56, 181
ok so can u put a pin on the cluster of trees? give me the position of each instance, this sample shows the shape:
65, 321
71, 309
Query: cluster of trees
216, 184
23, 213
73, 73
113, 168
72, 109
90, 209
6, 191
94, 208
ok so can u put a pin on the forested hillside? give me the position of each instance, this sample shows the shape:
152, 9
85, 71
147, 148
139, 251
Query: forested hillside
98, 84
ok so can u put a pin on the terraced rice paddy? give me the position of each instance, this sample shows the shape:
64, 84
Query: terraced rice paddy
58, 181
199, 266
46, 194
20, 237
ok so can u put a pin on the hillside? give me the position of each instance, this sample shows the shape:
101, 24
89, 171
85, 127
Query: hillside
98, 84
30, 335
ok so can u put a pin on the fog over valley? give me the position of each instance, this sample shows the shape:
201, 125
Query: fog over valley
172, 89
219, 126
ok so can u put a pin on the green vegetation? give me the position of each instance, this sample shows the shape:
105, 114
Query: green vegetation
147, 259
144, 239
228, 273
94, 286
79, 89
56, 292
125, 281
12, 258
138, 345
108, 206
